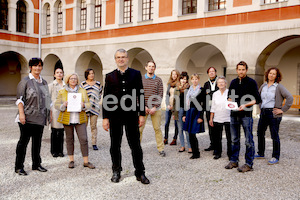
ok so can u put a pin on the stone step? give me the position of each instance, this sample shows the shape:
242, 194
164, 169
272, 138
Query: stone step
7, 100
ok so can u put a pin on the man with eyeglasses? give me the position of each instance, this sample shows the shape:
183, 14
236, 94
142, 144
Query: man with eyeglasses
123, 105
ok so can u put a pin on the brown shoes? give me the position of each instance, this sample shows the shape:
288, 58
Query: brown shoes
173, 142
165, 141
89, 165
245, 168
71, 164
232, 165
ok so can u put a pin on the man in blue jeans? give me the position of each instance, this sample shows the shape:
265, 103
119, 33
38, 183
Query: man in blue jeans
243, 90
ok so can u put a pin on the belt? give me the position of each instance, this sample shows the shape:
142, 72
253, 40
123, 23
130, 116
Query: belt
267, 109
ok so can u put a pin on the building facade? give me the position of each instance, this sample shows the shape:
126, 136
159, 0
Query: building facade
188, 35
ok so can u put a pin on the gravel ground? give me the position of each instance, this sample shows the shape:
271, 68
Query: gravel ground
172, 177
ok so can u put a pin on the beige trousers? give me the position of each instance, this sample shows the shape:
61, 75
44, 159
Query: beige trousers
93, 124
156, 123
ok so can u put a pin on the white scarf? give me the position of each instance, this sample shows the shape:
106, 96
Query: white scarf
192, 93
213, 85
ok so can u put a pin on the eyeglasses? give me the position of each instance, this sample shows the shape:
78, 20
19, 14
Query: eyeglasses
121, 57
73, 79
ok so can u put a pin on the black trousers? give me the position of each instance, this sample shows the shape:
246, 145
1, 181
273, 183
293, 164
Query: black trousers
217, 138
57, 140
194, 144
133, 137
267, 119
210, 130
26, 131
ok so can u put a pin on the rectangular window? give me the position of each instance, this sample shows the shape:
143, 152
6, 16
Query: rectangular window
83, 15
216, 4
48, 20
21, 17
3, 15
147, 9
98, 13
189, 6
273, 1
59, 19
127, 14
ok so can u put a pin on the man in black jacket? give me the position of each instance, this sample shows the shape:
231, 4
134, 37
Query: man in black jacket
242, 90
123, 105
210, 87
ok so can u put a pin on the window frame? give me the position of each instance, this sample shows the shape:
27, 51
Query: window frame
48, 20
21, 17
83, 14
4, 15
59, 18
127, 18
276, 1
98, 14
147, 12
185, 7
216, 5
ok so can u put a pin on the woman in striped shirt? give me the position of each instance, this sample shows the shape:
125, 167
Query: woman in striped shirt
94, 91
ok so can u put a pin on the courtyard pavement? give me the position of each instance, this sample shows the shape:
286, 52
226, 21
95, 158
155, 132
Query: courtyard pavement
172, 177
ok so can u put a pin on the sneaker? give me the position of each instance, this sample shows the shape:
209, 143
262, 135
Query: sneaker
273, 161
162, 153
245, 168
232, 165
259, 156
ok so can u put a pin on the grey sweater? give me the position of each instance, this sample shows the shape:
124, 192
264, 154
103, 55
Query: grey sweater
36, 99
281, 93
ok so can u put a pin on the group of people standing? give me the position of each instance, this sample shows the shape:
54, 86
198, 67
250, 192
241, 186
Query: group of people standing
129, 98
40, 104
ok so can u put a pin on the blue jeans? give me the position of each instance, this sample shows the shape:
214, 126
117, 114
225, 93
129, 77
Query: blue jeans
235, 128
267, 119
180, 130
167, 124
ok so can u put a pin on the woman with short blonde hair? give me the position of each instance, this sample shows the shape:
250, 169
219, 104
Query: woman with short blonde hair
74, 120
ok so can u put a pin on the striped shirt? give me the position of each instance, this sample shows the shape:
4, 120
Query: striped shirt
153, 86
94, 93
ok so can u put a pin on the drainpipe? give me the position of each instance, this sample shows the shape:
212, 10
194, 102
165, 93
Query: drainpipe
40, 28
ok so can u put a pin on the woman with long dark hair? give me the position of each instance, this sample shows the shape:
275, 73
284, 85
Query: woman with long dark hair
181, 90
172, 83
57, 129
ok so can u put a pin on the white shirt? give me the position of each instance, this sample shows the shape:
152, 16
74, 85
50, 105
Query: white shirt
218, 107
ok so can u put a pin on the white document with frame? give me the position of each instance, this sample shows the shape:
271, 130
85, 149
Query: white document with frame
74, 102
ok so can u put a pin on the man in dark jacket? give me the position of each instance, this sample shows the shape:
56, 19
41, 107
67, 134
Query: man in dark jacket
123, 106
243, 90
210, 87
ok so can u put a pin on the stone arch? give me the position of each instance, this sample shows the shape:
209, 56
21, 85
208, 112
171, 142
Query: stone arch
283, 53
138, 58
198, 57
13, 67
50, 61
91, 60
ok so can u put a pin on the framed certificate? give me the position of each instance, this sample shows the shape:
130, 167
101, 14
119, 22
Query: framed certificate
74, 102
231, 105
